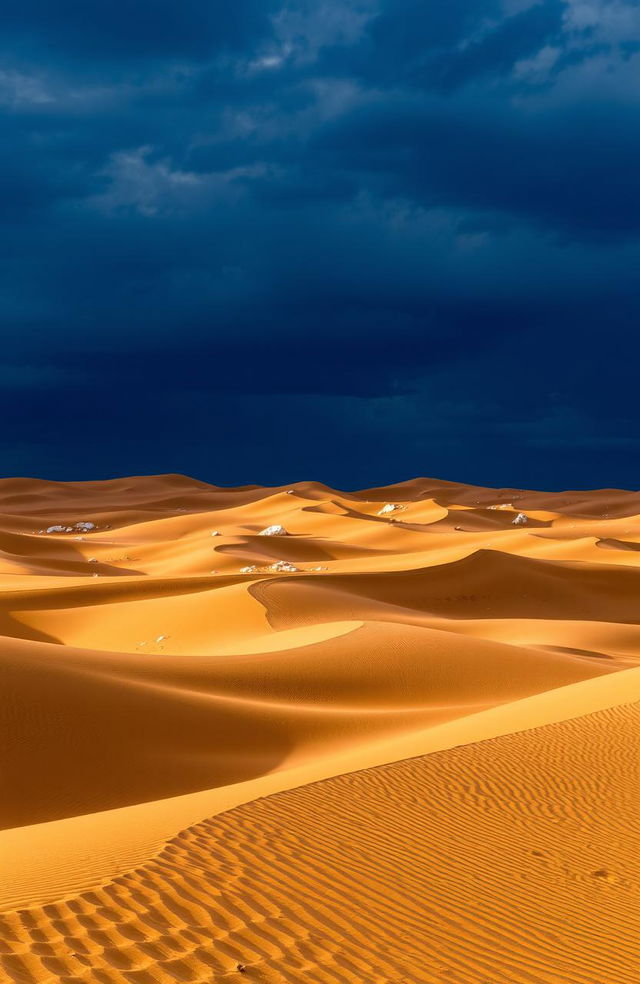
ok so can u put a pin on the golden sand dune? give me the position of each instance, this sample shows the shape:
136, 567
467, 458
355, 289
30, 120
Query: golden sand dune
448, 867
456, 665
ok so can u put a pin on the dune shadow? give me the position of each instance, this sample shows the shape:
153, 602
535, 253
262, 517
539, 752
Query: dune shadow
485, 584
573, 651
608, 543
13, 628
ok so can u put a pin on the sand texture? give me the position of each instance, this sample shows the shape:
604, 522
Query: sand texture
301, 735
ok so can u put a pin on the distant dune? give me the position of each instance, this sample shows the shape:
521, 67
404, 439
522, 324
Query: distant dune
395, 743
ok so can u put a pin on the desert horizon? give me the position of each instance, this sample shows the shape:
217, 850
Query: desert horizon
295, 733
320, 722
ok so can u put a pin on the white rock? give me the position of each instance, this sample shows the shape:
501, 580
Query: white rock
251, 569
93, 560
161, 638
85, 527
520, 520
56, 529
215, 533
273, 531
284, 565
390, 507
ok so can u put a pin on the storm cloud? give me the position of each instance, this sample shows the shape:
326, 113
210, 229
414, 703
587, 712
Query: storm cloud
353, 241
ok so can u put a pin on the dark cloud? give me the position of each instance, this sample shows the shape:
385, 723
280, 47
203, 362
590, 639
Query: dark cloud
409, 29
572, 170
497, 51
140, 28
444, 46
355, 241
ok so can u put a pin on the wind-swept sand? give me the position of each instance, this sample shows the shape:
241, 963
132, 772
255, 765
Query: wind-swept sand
411, 758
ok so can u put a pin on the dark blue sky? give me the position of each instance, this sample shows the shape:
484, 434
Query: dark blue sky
351, 240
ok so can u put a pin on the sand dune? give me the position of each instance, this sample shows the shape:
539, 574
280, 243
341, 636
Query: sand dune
462, 685
389, 874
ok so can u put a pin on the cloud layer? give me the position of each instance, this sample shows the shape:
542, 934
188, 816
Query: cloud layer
356, 241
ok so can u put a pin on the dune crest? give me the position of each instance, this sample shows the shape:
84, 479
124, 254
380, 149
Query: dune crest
376, 668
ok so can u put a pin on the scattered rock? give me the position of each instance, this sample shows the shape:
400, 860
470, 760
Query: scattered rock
520, 520
76, 528
273, 531
251, 569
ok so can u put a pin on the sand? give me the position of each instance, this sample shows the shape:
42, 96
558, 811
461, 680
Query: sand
411, 758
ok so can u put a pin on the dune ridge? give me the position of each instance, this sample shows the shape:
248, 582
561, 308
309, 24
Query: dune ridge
169, 699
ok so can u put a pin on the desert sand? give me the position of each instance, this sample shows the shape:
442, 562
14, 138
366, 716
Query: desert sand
301, 735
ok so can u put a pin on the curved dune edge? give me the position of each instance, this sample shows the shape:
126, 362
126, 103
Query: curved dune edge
47, 862
468, 865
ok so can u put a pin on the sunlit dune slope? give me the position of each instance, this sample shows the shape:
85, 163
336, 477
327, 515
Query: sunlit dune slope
170, 650
459, 866
132, 731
